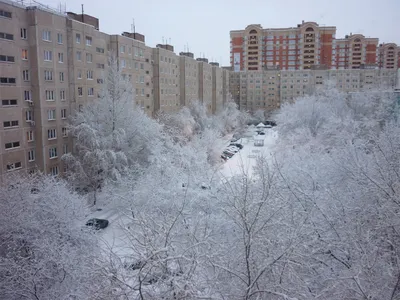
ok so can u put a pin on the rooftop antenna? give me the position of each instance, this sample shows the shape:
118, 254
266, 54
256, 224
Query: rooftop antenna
82, 14
163, 39
170, 41
133, 26
187, 47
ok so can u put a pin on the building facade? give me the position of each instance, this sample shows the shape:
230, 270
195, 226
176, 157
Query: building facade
307, 46
388, 56
52, 64
294, 48
267, 90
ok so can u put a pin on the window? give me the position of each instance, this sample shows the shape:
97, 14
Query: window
90, 91
54, 170
24, 54
89, 57
88, 41
79, 55
23, 33
7, 58
53, 152
100, 81
6, 36
100, 66
46, 35
89, 74
9, 102
61, 76
27, 96
79, 74
25, 75
142, 92
141, 66
62, 95
59, 38
7, 80
48, 75
64, 131
5, 14
65, 149
51, 114
10, 124
48, 55
99, 50
12, 145
29, 136
63, 113
61, 57
31, 155
123, 63
122, 49
14, 166
29, 115
78, 38
49, 95
136, 66
80, 91
51, 134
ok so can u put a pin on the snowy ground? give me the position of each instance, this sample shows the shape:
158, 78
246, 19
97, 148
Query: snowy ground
115, 238
245, 159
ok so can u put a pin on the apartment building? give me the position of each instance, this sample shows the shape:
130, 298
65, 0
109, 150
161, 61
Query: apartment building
52, 64
135, 59
217, 100
307, 46
355, 51
166, 79
267, 90
189, 83
34, 89
294, 48
205, 82
388, 56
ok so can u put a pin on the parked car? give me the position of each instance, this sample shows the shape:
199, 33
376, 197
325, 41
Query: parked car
232, 149
224, 157
228, 154
261, 133
97, 223
240, 146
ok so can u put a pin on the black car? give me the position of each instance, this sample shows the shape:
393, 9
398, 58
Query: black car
261, 133
228, 154
97, 223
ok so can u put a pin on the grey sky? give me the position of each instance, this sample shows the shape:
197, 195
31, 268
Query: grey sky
204, 25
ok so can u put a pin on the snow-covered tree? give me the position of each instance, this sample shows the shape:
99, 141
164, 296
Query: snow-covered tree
110, 135
45, 251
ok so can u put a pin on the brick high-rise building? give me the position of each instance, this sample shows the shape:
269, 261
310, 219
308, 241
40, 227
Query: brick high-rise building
355, 51
293, 48
388, 56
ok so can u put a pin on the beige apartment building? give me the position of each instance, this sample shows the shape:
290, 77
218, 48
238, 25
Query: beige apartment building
266, 90
166, 79
189, 79
52, 64
205, 82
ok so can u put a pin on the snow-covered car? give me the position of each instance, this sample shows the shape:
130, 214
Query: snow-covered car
232, 149
97, 223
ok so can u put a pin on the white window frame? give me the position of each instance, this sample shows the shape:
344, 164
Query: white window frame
53, 153
59, 38
25, 75
48, 55
31, 155
46, 35
51, 114
63, 113
51, 134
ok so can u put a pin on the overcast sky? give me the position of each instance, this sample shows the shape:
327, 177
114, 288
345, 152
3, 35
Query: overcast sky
204, 25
